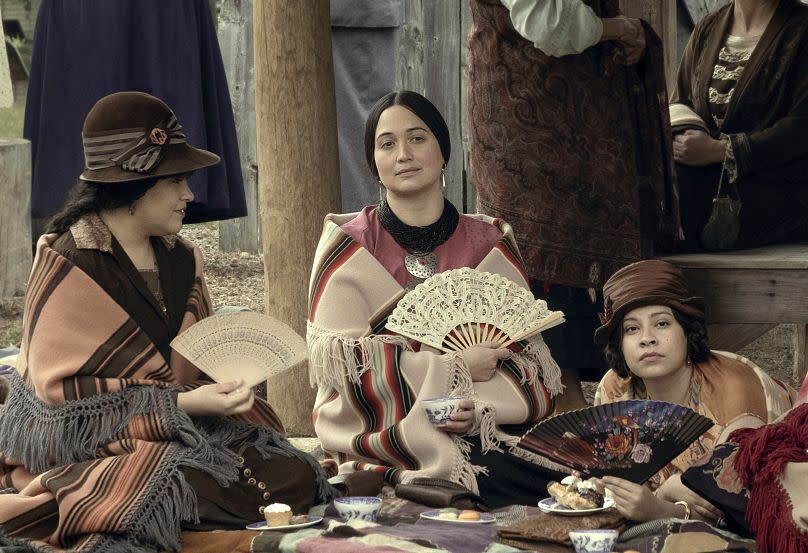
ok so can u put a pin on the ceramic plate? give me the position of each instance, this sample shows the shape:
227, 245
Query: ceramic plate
299, 521
550, 505
485, 518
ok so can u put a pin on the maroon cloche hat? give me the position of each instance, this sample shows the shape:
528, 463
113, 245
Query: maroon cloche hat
131, 136
650, 282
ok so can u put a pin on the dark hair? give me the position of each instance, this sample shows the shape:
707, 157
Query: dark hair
698, 347
91, 197
417, 104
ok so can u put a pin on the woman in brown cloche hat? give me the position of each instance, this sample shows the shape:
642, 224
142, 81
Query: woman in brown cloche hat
112, 441
654, 334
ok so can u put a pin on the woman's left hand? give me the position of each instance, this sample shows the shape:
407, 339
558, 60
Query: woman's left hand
697, 148
635, 501
462, 419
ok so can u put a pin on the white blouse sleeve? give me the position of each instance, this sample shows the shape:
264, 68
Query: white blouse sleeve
556, 27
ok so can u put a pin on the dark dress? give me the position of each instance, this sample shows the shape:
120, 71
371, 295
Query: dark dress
86, 49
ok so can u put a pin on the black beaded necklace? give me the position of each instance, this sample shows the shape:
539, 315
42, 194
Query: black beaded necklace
420, 240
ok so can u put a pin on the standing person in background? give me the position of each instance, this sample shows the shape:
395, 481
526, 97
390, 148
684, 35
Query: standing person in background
86, 49
569, 142
739, 111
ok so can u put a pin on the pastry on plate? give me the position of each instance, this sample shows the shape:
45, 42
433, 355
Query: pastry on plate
278, 514
576, 493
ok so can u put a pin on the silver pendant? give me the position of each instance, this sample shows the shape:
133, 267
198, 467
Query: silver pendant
421, 266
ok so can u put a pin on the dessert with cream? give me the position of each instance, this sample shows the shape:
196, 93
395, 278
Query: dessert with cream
278, 514
576, 493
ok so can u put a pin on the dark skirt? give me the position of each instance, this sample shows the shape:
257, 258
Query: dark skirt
572, 343
86, 49
771, 212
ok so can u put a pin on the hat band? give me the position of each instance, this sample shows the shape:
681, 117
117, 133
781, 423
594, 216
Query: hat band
137, 150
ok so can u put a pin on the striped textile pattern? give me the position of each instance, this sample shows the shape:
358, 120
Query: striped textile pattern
371, 418
90, 433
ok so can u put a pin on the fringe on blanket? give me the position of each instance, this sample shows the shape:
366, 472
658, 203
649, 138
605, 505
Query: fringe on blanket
238, 436
334, 356
536, 459
536, 361
43, 436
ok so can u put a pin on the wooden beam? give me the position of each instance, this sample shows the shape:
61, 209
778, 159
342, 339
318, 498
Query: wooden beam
661, 14
751, 295
732, 337
299, 168
800, 360
235, 32
15, 216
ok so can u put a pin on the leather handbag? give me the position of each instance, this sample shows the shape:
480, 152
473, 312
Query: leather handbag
724, 225
436, 492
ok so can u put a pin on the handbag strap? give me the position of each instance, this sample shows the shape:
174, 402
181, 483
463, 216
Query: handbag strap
721, 180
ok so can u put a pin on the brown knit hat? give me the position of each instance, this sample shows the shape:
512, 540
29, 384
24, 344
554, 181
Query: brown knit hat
131, 136
651, 282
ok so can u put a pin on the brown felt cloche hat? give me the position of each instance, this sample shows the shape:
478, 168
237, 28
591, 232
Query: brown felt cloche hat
131, 136
650, 282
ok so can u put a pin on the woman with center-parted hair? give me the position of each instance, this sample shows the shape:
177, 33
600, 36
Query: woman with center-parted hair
654, 334
368, 413
110, 440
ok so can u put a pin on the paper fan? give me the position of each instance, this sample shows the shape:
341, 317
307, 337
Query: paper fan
631, 439
457, 309
244, 345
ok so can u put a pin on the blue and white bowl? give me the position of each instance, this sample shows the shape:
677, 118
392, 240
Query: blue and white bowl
358, 507
593, 541
439, 410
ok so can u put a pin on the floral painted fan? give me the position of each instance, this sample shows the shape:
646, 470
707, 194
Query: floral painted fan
454, 310
630, 439
244, 345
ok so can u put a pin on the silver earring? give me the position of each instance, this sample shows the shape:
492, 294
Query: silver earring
381, 191
443, 179
131, 209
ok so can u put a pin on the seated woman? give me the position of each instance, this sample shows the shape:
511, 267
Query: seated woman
368, 413
655, 339
112, 441
758, 480
741, 103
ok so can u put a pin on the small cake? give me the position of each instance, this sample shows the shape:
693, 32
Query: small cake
448, 513
576, 493
468, 515
278, 514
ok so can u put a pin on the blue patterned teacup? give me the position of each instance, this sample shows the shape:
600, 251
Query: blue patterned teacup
358, 507
593, 541
439, 410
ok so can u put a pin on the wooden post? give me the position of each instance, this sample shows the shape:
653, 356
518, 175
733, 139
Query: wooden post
15, 216
661, 14
235, 33
800, 346
299, 168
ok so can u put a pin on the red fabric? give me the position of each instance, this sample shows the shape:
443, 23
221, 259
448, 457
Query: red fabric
466, 247
762, 457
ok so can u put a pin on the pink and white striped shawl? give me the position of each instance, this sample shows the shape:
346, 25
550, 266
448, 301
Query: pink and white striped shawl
90, 434
370, 382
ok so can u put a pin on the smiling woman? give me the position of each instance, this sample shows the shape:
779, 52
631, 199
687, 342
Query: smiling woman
655, 337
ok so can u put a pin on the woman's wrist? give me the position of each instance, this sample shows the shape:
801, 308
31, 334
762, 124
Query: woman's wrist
612, 29
719, 149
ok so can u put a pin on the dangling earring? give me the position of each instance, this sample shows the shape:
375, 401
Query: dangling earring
381, 191
131, 209
443, 177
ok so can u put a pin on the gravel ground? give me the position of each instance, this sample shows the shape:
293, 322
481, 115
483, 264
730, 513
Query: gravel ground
238, 279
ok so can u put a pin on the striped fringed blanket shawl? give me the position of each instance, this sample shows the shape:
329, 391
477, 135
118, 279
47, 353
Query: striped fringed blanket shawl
90, 433
370, 383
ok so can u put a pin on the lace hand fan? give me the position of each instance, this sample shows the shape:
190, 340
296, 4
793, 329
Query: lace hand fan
457, 309
244, 345
631, 439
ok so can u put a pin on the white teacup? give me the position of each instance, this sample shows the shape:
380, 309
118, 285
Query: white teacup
439, 410
358, 507
593, 541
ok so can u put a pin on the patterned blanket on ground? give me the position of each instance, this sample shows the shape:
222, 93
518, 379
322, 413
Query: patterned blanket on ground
90, 434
